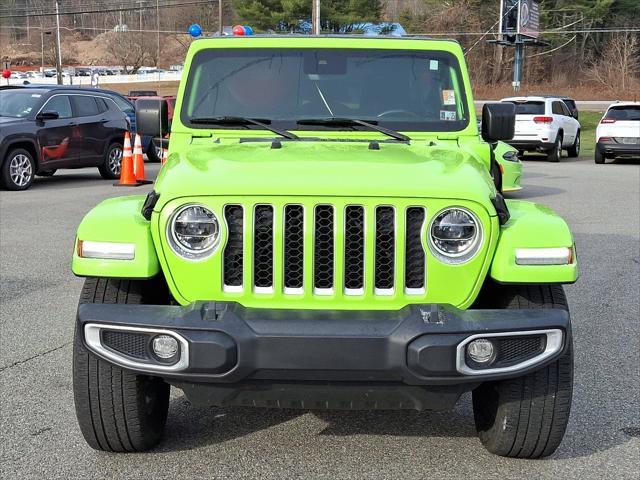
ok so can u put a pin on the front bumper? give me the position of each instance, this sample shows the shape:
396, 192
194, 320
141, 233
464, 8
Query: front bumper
227, 343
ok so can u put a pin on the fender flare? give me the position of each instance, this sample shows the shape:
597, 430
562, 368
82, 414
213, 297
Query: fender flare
532, 226
117, 220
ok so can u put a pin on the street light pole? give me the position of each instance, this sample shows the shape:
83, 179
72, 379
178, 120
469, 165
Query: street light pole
58, 50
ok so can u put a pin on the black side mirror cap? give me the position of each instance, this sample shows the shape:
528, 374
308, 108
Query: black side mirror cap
48, 115
498, 121
152, 117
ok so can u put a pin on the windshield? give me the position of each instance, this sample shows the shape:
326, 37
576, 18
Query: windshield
528, 108
624, 112
397, 89
19, 103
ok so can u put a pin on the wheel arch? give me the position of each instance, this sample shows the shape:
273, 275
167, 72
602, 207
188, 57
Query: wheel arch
27, 144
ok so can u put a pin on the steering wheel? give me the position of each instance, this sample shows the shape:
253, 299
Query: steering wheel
391, 112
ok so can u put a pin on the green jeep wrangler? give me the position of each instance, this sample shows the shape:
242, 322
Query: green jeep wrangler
326, 234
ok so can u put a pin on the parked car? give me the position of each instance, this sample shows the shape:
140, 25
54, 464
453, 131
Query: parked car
349, 250
546, 125
18, 75
618, 133
510, 166
47, 127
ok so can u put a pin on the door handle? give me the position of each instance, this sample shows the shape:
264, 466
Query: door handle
72, 124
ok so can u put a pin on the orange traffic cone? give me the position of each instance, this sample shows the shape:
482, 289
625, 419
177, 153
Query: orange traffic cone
165, 156
127, 176
138, 161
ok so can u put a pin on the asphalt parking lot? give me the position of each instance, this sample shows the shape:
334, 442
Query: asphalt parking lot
39, 294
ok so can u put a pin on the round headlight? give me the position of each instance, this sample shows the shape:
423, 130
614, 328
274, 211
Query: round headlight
194, 231
454, 235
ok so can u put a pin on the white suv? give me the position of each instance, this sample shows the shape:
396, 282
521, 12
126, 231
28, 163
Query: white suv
618, 133
545, 124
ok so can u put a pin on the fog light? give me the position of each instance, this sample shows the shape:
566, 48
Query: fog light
165, 347
481, 351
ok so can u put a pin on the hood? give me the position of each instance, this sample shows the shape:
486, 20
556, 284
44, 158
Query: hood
326, 168
10, 121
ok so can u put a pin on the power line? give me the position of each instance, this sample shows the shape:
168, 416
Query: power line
109, 10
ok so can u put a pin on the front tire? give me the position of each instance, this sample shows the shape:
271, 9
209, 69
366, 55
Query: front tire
154, 154
110, 168
526, 417
18, 170
574, 151
118, 411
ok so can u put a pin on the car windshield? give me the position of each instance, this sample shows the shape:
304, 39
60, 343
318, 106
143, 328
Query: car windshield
529, 108
396, 89
19, 103
624, 112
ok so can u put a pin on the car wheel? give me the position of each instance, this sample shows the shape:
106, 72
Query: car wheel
555, 154
526, 417
110, 169
496, 175
154, 153
117, 410
18, 170
599, 157
47, 173
574, 151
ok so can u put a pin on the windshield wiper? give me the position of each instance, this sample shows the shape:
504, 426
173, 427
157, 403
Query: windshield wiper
336, 121
243, 121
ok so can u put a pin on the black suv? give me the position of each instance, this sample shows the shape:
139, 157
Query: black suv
47, 127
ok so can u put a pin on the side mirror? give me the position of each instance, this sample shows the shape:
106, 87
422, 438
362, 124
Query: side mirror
152, 117
498, 121
48, 115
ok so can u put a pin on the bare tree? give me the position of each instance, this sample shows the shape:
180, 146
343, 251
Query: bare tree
130, 49
617, 69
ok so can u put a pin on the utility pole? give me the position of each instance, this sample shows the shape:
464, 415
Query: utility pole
220, 25
315, 18
58, 50
139, 2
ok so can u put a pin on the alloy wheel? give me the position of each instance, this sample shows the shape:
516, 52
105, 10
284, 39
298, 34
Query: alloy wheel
115, 159
20, 170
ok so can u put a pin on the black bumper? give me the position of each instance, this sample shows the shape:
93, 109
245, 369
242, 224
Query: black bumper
227, 343
531, 145
618, 149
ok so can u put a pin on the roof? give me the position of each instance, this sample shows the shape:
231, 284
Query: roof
624, 104
73, 88
300, 36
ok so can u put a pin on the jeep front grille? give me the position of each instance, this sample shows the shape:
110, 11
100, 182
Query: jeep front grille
322, 249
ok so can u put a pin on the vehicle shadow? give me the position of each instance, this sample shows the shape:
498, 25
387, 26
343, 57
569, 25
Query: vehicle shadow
543, 158
534, 191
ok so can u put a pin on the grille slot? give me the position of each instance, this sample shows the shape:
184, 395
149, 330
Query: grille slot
385, 250
414, 266
127, 343
354, 249
323, 260
512, 350
233, 260
263, 248
294, 247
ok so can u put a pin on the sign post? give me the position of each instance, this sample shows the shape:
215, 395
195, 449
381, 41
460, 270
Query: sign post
519, 27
